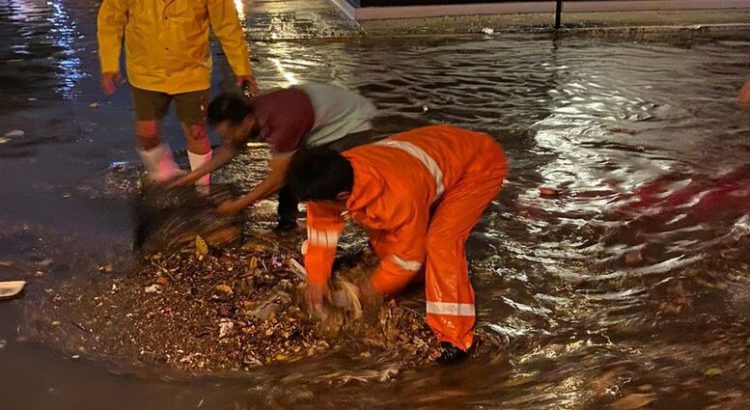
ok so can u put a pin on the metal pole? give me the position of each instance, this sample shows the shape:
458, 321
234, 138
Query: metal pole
558, 12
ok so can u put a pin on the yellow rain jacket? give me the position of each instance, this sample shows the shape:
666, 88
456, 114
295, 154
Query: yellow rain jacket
166, 41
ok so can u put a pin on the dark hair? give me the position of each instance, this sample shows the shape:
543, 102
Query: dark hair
319, 174
228, 107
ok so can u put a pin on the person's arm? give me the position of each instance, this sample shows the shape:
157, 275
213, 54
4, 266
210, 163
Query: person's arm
226, 26
324, 226
743, 99
110, 28
220, 157
278, 166
406, 250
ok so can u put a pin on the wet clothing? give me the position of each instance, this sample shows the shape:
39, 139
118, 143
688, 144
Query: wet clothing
286, 116
154, 105
419, 194
166, 41
310, 115
338, 113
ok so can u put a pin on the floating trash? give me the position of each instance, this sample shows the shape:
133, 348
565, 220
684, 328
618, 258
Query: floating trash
9, 289
15, 134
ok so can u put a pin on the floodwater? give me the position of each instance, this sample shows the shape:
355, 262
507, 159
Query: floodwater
628, 289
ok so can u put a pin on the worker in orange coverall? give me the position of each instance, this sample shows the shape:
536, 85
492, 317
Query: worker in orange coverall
419, 194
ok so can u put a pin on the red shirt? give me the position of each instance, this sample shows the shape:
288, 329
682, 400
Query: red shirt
286, 116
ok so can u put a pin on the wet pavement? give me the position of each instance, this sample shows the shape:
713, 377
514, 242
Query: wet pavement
629, 289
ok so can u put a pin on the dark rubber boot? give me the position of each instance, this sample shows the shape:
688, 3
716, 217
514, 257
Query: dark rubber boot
284, 226
450, 353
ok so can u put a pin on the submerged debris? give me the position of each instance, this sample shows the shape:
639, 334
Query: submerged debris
227, 309
166, 219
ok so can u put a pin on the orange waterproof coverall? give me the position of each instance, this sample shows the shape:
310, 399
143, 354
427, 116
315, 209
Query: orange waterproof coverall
419, 194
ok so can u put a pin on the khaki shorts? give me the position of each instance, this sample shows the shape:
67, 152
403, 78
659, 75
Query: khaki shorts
154, 105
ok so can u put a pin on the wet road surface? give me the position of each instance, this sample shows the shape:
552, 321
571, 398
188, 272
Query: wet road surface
628, 289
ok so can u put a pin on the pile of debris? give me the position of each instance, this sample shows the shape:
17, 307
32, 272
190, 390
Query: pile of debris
225, 309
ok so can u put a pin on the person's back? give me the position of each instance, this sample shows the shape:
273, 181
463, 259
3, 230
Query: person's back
421, 164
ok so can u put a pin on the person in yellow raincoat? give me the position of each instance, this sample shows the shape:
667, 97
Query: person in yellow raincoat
168, 58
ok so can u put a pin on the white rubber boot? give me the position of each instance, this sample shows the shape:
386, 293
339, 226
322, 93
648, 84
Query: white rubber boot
203, 185
159, 163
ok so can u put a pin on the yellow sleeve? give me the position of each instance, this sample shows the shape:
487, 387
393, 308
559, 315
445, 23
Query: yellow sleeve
227, 28
110, 28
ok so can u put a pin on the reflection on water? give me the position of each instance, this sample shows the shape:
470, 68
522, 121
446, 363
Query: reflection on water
42, 34
62, 34
602, 295
630, 288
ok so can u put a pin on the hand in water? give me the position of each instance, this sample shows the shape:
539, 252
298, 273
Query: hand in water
180, 181
110, 81
230, 207
367, 294
315, 295
250, 80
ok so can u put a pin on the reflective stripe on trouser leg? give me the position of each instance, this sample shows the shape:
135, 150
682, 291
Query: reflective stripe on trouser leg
449, 295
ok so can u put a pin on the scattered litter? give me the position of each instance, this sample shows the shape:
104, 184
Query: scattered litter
118, 166
94, 105
15, 134
226, 328
224, 289
712, 372
32, 99
201, 247
151, 289
298, 268
45, 263
633, 257
8, 289
3, 343
3, 140
236, 309
549, 192
488, 31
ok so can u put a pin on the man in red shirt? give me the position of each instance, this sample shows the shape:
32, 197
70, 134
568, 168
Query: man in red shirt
286, 119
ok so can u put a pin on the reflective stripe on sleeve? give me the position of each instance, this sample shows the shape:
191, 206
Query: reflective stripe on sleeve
407, 265
450, 309
326, 239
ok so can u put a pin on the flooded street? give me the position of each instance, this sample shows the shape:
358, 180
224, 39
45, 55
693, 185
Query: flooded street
628, 287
